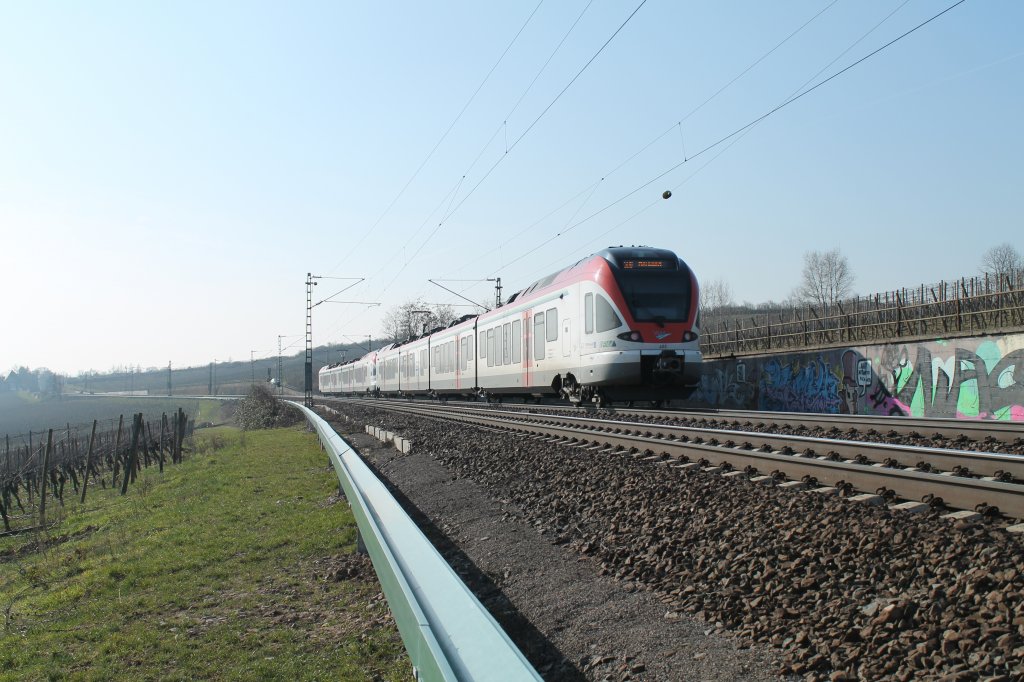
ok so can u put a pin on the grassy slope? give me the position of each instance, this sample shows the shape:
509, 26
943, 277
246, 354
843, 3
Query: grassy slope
226, 567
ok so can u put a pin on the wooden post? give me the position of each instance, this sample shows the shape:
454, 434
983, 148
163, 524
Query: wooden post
129, 465
42, 489
163, 431
179, 436
88, 460
117, 446
31, 478
899, 315
147, 436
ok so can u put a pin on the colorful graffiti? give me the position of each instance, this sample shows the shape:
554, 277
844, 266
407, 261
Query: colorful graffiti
969, 379
983, 383
726, 387
798, 387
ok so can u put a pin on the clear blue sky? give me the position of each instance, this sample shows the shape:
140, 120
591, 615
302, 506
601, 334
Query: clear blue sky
169, 172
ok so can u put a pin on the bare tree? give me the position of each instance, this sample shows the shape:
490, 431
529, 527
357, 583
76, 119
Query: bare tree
1002, 261
714, 296
413, 318
826, 279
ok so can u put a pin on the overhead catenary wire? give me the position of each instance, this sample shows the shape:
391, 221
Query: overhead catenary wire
503, 126
508, 148
678, 125
443, 137
741, 130
542, 114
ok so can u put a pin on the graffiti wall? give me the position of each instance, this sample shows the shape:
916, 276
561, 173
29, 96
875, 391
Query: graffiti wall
980, 378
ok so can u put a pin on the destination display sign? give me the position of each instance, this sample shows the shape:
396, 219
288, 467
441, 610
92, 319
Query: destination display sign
646, 264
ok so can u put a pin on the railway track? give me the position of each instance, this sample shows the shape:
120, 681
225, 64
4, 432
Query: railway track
909, 477
841, 590
960, 431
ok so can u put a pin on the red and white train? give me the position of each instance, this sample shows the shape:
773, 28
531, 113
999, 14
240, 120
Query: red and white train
619, 325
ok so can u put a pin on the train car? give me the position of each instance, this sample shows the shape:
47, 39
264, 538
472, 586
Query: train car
618, 325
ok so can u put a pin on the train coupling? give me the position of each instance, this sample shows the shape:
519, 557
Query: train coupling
671, 369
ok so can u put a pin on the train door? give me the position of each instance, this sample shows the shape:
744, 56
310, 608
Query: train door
527, 369
566, 337
459, 354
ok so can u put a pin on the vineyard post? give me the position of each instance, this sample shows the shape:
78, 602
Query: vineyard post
179, 436
117, 445
88, 460
163, 431
31, 486
42, 488
129, 464
147, 438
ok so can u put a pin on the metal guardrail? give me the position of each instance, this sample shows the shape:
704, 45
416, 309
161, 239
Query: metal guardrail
448, 633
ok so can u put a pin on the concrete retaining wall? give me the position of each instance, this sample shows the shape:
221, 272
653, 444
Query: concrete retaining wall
968, 378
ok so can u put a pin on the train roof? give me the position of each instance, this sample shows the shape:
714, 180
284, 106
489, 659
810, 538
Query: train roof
616, 256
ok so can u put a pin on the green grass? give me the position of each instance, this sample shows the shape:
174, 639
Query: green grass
220, 568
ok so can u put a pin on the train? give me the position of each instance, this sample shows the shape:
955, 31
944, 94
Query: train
620, 325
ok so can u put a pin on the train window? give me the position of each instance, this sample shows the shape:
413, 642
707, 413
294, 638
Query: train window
517, 341
538, 337
588, 313
490, 347
483, 345
606, 318
469, 346
497, 346
552, 324
506, 344
463, 353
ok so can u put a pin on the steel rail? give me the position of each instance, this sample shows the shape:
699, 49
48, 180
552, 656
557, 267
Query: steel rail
1005, 431
975, 429
955, 491
449, 635
944, 459
981, 463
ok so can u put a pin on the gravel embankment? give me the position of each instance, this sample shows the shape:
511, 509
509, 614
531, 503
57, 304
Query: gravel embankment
840, 590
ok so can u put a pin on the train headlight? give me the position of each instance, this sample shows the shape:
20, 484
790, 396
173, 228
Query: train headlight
689, 336
631, 336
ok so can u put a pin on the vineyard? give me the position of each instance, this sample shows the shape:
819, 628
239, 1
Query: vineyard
46, 464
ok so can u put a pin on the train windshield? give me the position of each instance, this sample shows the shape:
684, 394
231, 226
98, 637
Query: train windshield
656, 295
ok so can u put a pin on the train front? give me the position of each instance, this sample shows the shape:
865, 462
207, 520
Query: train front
656, 294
